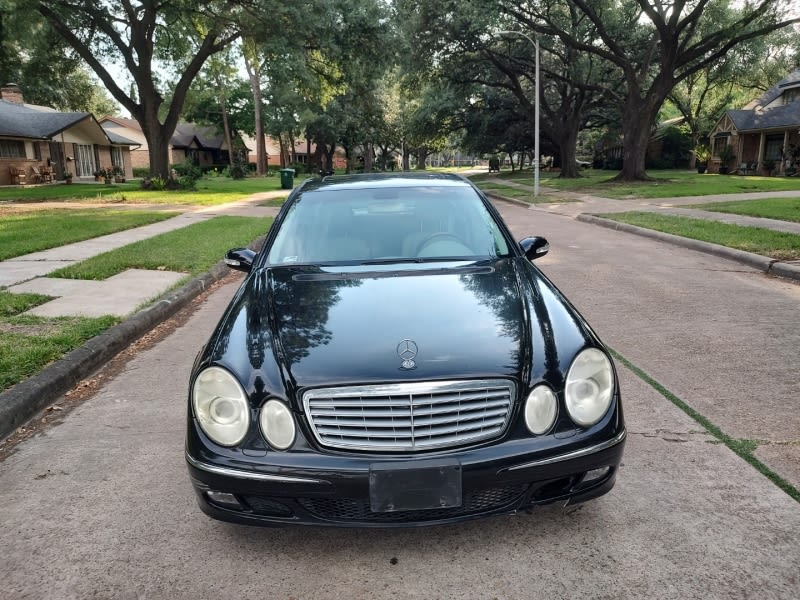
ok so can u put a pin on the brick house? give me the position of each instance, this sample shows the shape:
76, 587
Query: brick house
36, 137
766, 129
205, 146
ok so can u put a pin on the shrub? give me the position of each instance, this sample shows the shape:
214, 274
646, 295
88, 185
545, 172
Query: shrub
238, 170
188, 169
141, 172
156, 183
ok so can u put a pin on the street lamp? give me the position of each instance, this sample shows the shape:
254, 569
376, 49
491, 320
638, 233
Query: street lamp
536, 111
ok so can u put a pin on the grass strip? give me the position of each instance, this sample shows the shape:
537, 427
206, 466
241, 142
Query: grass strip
274, 201
775, 244
31, 231
668, 183
193, 249
742, 448
783, 209
211, 191
28, 344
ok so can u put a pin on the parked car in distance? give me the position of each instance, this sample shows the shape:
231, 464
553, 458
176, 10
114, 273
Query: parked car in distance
583, 164
394, 358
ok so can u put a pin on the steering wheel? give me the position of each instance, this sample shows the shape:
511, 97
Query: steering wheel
439, 236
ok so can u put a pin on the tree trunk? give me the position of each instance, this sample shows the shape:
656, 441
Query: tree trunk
406, 157
367, 158
261, 146
284, 155
422, 156
226, 128
158, 151
692, 155
347, 157
637, 121
566, 151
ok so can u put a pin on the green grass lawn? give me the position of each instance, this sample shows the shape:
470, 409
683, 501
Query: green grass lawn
27, 344
775, 244
526, 195
193, 249
274, 201
33, 230
783, 209
665, 184
210, 191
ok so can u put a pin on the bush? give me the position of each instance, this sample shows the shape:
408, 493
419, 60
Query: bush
238, 170
154, 183
141, 172
188, 169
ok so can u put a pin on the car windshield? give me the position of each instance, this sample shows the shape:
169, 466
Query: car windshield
363, 226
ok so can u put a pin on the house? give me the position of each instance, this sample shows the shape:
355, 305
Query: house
304, 151
205, 146
38, 138
767, 130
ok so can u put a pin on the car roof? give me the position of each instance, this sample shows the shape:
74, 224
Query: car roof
384, 180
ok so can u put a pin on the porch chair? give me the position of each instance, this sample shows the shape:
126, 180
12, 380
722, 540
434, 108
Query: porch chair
47, 173
17, 175
744, 168
36, 175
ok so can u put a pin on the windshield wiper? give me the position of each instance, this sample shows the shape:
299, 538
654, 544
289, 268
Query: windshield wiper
391, 260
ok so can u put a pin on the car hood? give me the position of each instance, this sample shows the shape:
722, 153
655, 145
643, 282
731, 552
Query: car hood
298, 327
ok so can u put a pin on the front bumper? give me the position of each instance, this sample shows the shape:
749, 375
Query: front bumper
331, 491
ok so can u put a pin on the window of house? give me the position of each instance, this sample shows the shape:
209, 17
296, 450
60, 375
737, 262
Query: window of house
37, 151
12, 149
116, 156
773, 146
792, 95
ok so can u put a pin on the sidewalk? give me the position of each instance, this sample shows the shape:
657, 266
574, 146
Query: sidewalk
585, 207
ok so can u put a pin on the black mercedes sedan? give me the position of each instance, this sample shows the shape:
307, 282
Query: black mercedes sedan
394, 358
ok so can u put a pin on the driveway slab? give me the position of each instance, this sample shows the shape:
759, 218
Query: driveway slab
119, 295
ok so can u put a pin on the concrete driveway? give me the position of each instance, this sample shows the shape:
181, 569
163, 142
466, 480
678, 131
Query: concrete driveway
101, 506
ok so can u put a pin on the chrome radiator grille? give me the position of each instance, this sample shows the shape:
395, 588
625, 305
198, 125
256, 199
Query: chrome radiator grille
409, 417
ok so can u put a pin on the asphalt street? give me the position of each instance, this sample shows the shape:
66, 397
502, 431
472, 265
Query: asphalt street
100, 506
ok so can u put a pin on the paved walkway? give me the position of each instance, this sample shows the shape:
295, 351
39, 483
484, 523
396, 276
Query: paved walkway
124, 293
584, 203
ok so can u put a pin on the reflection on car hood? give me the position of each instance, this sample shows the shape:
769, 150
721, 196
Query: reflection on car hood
309, 326
348, 330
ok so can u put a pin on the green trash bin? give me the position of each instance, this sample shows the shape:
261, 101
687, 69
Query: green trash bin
287, 179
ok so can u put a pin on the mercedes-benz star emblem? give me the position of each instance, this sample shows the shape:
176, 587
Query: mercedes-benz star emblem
407, 351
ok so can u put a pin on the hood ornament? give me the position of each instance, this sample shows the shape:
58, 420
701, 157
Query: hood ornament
407, 351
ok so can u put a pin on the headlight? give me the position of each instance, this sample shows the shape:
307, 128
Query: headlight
590, 387
540, 410
220, 406
277, 424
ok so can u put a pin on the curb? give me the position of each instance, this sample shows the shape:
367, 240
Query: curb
765, 264
23, 401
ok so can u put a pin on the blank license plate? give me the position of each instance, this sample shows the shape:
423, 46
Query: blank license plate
423, 485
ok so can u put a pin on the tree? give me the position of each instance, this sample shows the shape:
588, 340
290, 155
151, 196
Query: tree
468, 46
656, 44
34, 57
153, 40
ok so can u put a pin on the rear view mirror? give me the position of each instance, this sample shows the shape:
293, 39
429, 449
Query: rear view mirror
534, 247
240, 259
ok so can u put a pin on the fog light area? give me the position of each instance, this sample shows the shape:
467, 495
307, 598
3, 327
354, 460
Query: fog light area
596, 474
223, 499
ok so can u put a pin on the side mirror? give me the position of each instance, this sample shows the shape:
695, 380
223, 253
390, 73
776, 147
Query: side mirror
534, 247
240, 259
